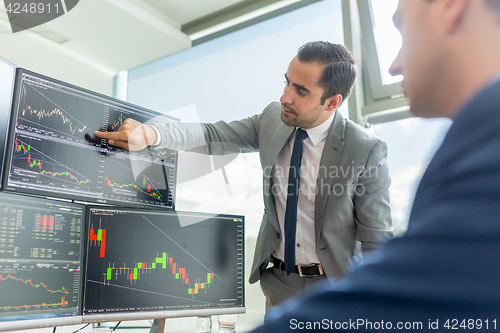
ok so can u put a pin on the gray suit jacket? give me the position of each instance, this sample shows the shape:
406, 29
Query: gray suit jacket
352, 210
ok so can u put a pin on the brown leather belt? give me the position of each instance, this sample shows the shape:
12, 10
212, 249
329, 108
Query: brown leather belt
309, 270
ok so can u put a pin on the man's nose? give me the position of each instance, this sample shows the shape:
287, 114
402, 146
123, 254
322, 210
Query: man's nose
287, 96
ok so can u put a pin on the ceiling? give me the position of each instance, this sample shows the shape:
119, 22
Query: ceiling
115, 35
185, 11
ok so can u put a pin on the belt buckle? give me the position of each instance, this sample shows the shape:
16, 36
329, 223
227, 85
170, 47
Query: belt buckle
320, 268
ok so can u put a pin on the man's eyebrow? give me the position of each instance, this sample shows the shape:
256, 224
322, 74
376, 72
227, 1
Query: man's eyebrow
299, 86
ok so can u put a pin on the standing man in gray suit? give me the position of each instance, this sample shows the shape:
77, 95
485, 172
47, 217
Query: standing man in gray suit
326, 179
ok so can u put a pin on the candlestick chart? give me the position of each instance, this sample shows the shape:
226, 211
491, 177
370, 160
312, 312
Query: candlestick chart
133, 176
116, 118
57, 113
55, 152
47, 163
34, 287
145, 260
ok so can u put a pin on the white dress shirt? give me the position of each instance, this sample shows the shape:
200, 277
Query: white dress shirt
305, 249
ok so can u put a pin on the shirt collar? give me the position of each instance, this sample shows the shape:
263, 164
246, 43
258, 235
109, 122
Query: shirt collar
319, 133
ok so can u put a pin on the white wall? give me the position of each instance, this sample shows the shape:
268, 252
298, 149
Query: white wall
36, 53
236, 75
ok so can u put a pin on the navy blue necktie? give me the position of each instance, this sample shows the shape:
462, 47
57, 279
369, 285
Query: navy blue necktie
292, 200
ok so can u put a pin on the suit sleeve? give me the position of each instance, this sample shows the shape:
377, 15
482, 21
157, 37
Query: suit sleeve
371, 200
218, 138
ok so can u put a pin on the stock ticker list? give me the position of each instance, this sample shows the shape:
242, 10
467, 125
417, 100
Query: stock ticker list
55, 151
40, 255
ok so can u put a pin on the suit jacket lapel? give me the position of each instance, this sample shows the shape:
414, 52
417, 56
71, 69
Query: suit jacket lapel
330, 157
279, 139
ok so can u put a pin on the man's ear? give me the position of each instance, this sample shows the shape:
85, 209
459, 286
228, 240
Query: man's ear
332, 103
454, 13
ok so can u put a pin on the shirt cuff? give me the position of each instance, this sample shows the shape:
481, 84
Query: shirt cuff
158, 136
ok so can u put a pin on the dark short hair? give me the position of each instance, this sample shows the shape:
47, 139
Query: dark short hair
339, 72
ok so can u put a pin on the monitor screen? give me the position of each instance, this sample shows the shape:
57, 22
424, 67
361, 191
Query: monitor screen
7, 75
53, 152
41, 247
151, 264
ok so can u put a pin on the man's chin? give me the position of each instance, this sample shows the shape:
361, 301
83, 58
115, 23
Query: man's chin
287, 120
425, 110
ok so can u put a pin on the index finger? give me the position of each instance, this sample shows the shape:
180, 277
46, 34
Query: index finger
109, 135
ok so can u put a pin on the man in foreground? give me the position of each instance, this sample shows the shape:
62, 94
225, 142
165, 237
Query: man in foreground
442, 274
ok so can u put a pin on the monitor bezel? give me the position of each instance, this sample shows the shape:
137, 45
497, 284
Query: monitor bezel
40, 323
8, 103
174, 313
75, 198
97, 318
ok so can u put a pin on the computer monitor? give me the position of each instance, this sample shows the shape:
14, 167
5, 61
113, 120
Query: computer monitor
53, 152
7, 76
144, 264
41, 250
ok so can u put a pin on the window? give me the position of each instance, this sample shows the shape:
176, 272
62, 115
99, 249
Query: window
411, 143
387, 38
381, 43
